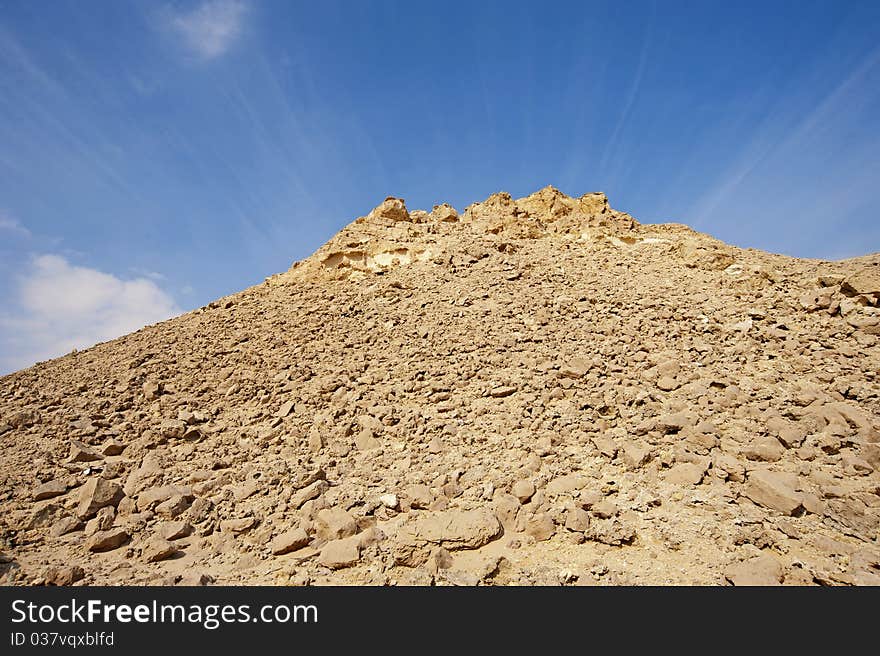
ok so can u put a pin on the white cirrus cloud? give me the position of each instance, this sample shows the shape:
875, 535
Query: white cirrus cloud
210, 29
65, 307
8, 224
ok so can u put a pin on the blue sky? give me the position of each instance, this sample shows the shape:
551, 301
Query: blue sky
155, 156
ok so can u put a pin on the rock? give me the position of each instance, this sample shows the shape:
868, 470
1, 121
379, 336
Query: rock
48, 490
567, 484
149, 499
80, 452
774, 490
102, 521
158, 549
575, 368
95, 494
152, 390
765, 449
64, 575
238, 526
175, 530
112, 448
419, 496
761, 570
285, 409
605, 509
865, 282
674, 423
541, 527
502, 391
667, 383
389, 501
523, 490
686, 473
577, 519
295, 538
107, 540
334, 524
392, 209
634, 455
64, 526
337, 554
450, 529
444, 213
312, 491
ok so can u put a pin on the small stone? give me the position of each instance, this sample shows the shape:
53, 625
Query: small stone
419, 496
285, 409
575, 368
605, 509
50, 489
64, 575
81, 452
175, 530
107, 540
685, 473
338, 554
96, 494
761, 570
289, 541
541, 527
774, 490
634, 455
158, 549
523, 490
389, 500
334, 524
112, 448
502, 391
237, 526
152, 390
577, 519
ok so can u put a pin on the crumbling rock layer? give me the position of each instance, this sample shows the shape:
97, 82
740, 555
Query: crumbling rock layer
534, 391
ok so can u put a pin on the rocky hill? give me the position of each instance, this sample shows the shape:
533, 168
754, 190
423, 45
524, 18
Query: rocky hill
534, 391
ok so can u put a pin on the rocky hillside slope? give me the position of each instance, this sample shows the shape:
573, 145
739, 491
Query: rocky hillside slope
536, 391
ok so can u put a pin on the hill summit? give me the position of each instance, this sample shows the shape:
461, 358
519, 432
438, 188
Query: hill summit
533, 391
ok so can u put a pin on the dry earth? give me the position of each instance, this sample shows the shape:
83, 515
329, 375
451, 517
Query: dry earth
538, 391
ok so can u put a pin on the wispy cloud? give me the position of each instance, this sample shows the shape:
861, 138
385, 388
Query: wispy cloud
212, 28
64, 306
8, 224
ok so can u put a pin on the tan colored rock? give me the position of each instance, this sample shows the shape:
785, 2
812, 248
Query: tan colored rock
523, 490
334, 524
95, 494
50, 489
81, 452
774, 490
158, 549
295, 538
107, 540
338, 554
759, 571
